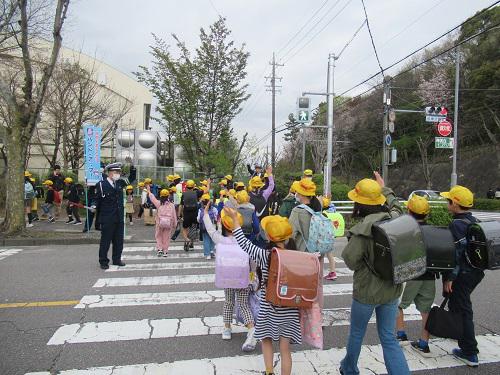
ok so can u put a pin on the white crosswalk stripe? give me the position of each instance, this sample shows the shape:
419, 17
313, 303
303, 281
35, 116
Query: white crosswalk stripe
4, 253
198, 327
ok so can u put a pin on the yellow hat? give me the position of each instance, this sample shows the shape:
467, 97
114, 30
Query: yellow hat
228, 177
48, 182
240, 184
148, 181
242, 197
308, 173
266, 175
367, 191
27, 174
460, 195
164, 193
173, 189
232, 192
306, 187
223, 192
256, 182
204, 183
293, 188
228, 222
205, 197
170, 177
190, 184
129, 187
277, 228
204, 189
326, 202
177, 177
223, 182
418, 205
32, 179
68, 180
140, 184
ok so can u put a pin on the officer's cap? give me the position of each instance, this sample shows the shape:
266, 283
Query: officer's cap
114, 167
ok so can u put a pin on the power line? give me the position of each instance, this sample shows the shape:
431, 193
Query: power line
302, 28
371, 38
319, 32
425, 46
350, 41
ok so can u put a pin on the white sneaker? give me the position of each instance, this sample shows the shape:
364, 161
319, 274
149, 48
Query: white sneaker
159, 252
29, 225
250, 342
209, 257
131, 223
165, 254
226, 334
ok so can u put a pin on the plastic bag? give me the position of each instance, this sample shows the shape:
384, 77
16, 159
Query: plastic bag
254, 302
311, 322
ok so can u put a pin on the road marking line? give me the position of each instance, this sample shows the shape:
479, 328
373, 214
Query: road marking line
305, 361
168, 328
169, 298
132, 249
175, 279
189, 255
4, 253
38, 304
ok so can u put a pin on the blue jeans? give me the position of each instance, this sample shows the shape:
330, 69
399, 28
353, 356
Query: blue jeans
208, 244
395, 361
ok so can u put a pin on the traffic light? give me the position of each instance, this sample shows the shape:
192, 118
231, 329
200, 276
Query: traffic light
436, 111
303, 110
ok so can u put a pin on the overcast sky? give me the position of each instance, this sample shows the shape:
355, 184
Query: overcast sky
118, 32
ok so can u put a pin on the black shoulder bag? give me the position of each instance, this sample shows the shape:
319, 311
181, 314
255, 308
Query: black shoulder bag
444, 323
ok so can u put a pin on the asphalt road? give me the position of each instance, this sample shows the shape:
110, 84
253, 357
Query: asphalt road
35, 338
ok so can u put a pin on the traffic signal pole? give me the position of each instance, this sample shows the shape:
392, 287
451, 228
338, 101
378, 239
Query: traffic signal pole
330, 96
455, 119
385, 148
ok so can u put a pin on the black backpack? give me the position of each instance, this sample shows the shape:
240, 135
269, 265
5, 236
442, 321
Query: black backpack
260, 203
190, 200
247, 214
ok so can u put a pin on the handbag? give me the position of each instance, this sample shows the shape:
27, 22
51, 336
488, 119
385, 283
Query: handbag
444, 323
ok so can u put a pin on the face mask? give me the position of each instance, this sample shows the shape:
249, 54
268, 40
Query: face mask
116, 177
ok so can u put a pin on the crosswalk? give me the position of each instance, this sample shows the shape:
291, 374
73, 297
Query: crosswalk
4, 253
186, 281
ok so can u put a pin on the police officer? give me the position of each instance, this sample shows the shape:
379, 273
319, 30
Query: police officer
109, 203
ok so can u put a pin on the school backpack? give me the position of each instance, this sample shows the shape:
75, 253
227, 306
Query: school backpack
247, 214
483, 245
232, 266
165, 216
399, 250
190, 200
260, 203
293, 279
80, 190
321, 232
29, 192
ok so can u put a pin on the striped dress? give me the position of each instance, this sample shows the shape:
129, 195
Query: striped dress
273, 322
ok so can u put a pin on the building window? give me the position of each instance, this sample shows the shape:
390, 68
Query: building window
147, 116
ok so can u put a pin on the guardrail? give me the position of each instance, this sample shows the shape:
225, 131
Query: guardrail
345, 207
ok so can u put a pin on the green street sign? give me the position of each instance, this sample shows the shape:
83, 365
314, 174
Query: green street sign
443, 142
303, 116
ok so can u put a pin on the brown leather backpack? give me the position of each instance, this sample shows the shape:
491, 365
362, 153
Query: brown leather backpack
293, 278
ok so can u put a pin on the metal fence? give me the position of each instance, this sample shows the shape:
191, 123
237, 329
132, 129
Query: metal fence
345, 207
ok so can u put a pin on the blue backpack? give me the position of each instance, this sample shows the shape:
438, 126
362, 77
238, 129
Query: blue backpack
321, 232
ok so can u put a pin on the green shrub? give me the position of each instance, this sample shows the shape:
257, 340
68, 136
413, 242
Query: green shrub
439, 216
484, 204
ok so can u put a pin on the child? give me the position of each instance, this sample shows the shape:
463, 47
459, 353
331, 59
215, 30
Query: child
48, 206
29, 194
208, 244
165, 214
241, 295
460, 283
73, 202
251, 225
273, 323
142, 192
129, 203
421, 290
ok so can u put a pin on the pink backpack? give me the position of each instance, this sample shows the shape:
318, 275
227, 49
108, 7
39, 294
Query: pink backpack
232, 266
166, 216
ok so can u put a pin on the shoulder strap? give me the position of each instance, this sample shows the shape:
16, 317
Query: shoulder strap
307, 208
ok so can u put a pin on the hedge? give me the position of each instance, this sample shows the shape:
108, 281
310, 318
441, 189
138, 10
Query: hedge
484, 204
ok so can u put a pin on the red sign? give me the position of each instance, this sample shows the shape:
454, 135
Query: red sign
444, 128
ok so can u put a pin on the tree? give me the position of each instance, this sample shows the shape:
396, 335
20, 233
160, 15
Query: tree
200, 93
24, 102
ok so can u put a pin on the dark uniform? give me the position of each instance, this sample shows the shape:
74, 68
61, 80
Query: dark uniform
109, 204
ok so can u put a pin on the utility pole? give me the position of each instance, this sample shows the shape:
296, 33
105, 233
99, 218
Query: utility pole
303, 148
330, 96
385, 148
455, 118
273, 88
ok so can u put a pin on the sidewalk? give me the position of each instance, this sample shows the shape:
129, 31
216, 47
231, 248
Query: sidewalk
59, 233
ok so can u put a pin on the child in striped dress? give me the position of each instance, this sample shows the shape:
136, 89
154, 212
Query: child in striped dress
273, 323
230, 294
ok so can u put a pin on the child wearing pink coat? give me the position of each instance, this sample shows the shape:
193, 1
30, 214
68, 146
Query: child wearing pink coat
166, 220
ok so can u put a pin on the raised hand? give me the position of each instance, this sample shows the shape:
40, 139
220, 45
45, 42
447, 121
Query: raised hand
379, 179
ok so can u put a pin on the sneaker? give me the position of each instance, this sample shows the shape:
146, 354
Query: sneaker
186, 246
331, 276
165, 254
191, 245
131, 223
226, 334
402, 337
212, 255
51, 220
469, 360
422, 349
70, 221
159, 252
77, 223
29, 225
36, 218
250, 342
